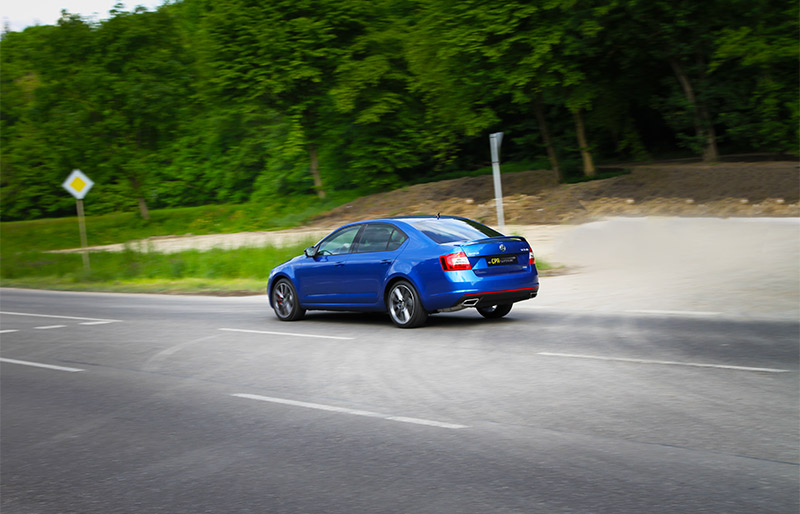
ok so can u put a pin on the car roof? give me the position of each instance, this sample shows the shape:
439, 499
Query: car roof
412, 218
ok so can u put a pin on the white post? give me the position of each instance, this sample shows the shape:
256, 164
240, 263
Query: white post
82, 227
495, 140
78, 184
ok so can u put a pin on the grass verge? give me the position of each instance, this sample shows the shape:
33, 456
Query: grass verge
240, 271
186, 286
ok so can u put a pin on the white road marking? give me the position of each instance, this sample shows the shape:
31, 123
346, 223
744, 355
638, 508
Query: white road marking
284, 333
668, 363
59, 317
48, 327
8, 331
674, 313
154, 362
40, 365
353, 412
95, 322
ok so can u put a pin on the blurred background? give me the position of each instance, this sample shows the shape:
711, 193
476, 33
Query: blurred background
228, 101
206, 117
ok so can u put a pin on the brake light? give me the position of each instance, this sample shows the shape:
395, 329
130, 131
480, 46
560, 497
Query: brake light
455, 262
531, 259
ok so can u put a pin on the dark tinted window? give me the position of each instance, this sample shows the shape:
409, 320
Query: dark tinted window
396, 240
447, 230
380, 238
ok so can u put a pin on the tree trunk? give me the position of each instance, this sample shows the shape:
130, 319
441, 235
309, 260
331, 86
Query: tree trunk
143, 210
312, 150
710, 152
702, 122
586, 154
538, 110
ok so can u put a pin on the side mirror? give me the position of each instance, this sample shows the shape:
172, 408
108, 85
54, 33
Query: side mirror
311, 251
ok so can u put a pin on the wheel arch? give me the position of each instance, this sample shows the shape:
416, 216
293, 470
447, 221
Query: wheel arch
274, 281
400, 278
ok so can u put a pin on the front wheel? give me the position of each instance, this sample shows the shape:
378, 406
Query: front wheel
404, 306
285, 302
495, 311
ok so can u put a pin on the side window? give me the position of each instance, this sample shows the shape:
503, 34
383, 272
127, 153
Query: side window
340, 242
397, 239
374, 238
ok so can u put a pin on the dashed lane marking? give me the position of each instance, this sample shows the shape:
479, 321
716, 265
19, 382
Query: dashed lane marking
40, 365
291, 334
666, 363
60, 317
674, 313
8, 331
49, 327
354, 412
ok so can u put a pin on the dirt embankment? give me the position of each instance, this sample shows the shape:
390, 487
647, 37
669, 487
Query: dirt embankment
730, 189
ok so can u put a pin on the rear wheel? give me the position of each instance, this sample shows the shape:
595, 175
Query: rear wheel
495, 311
284, 301
404, 306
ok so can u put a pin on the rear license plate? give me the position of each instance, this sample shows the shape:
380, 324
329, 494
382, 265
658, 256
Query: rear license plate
500, 260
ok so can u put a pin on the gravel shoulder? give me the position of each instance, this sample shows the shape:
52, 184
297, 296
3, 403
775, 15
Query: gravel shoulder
735, 268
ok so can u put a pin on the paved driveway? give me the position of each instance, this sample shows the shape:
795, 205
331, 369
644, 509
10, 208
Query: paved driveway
736, 267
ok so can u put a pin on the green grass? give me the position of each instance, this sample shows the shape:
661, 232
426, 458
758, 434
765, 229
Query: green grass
243, 269
188, 286
26, 262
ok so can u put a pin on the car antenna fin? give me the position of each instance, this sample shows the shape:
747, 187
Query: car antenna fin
437, 215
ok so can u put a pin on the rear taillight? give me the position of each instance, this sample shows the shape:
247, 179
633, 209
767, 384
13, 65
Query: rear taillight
455, 262
531, 260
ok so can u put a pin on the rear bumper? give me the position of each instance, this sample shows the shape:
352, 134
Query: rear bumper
444, 291
489, 298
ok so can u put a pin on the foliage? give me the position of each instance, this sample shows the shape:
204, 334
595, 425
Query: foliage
242, 101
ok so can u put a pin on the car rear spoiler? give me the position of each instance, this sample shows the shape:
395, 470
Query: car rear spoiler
496, 238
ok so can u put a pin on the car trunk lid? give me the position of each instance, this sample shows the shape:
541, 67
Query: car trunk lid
498, 255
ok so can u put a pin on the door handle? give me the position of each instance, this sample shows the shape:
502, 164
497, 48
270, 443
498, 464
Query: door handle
340, 263
386, 261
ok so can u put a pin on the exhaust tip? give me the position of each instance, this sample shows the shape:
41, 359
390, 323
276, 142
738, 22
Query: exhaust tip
472, 302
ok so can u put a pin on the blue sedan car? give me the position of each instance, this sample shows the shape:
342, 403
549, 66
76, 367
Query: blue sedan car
410, 267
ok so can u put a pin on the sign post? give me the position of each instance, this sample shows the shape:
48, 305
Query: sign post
79, 185
495, 140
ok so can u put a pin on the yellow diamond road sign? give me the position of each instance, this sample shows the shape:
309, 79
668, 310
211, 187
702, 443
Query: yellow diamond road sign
78, 184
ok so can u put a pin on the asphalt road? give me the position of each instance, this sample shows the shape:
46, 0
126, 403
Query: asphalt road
196, 404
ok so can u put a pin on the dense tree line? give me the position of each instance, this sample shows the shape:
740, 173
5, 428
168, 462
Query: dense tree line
205, 101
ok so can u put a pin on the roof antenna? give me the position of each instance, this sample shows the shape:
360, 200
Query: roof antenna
437, 215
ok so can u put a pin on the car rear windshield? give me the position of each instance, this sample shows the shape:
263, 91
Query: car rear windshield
448, 230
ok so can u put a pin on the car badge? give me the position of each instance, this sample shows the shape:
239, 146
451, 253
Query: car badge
502, 247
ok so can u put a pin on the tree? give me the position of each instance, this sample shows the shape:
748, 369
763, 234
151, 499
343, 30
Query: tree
756, 56
382, 137
283, 55
43, 113
142, 79
679, 33
469, 56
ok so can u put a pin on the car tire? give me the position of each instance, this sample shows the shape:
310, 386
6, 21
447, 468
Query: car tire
285, 301
495, 311
404, 305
